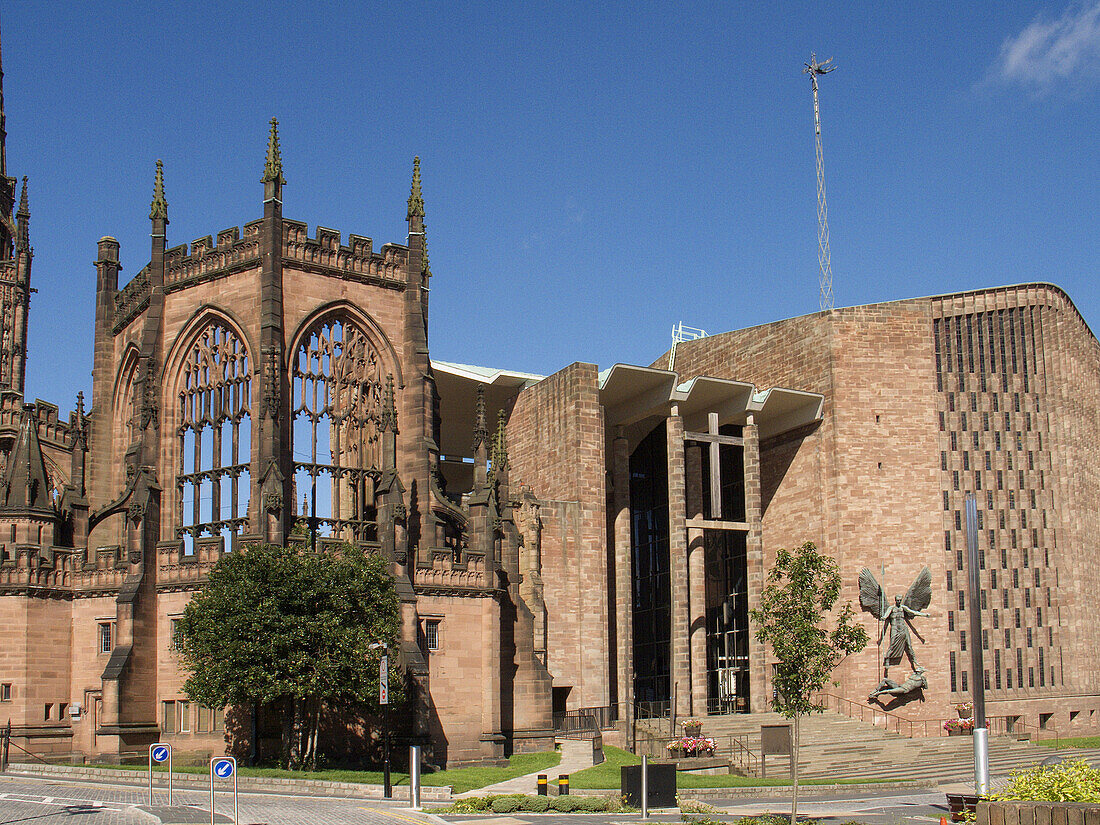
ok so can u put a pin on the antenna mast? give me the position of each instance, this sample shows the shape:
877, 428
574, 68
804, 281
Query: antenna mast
813, 69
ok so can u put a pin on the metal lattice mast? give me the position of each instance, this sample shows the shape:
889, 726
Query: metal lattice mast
813, 69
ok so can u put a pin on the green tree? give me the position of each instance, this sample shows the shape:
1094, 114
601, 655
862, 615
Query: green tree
801, 591
284, 627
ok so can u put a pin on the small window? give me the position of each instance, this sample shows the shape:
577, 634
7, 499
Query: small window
168, 724
5, 692
175, 639
205, 723
106, 637
185, 716
62, 709
431, 634
48, 711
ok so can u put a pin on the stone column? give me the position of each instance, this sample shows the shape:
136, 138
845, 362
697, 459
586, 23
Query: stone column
624, 577
492, 739
697, 587
754, 563
680, 654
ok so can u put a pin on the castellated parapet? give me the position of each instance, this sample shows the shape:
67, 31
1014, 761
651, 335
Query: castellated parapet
207, 261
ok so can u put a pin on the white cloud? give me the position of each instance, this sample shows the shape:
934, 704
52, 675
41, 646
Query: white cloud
1050, 51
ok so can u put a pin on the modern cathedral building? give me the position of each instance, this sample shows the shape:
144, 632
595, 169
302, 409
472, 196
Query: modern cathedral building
590, 539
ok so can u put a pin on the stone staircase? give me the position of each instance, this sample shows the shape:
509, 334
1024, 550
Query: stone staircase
834, 746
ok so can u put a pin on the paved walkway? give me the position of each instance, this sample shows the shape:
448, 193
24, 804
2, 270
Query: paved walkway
576, 755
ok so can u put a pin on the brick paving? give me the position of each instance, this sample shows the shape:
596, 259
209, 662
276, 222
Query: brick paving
45, 802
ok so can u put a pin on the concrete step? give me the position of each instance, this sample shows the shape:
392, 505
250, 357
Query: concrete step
835, 746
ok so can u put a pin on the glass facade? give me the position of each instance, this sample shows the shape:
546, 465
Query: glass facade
727, 621
652, 596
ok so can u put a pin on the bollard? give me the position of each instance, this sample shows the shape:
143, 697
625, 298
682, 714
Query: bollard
542, 784
645, 787
563, 784
414, 776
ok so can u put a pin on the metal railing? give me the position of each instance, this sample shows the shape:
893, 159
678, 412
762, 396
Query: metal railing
1018, 728
586, 723
586, 719
730, 748
997, 725
890, 722
653, 710
742, 756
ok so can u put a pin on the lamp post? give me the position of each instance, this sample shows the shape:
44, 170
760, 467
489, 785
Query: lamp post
384, 701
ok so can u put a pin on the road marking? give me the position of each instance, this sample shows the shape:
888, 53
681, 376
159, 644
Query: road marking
403, 817
58, 802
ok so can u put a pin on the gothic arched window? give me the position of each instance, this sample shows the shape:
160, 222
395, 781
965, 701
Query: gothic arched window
337, 376
215, 436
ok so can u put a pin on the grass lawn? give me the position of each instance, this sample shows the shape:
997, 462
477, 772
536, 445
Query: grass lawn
606, 775
462, 779
1077, 742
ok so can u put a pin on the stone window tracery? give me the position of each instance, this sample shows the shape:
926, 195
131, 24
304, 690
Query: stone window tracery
337, 403
215, 438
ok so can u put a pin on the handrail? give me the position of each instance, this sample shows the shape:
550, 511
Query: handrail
997, 725
1013, 725
601, 718
891, 721
733, 749
742, 752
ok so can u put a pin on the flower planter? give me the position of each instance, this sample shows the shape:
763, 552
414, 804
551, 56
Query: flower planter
694, 729
960, 732
691, 746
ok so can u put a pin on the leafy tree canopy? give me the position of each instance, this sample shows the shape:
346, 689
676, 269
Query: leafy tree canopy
280, 623
801, 591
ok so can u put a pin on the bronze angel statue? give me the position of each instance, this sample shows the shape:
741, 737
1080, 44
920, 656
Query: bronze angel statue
896, 616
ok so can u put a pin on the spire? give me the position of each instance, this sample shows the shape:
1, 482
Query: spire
23, 217
481, 431
159, 207
500, 448
273, 166
425, 267
25, 484
416, 198
81, 435
388, 421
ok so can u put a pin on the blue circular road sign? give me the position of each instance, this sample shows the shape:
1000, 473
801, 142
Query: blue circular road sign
160, 753
224, 768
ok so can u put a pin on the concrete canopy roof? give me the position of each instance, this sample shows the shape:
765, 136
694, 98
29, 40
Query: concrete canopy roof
457, 386
632, 394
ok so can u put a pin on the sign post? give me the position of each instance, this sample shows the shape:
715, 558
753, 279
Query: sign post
384, 701
223, 767
160, 752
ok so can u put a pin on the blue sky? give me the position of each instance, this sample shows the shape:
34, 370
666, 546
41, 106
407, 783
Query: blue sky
593, 172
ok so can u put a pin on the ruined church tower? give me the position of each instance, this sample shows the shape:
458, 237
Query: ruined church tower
15, 268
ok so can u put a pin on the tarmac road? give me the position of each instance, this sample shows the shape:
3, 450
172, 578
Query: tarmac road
48, 801
40, 801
